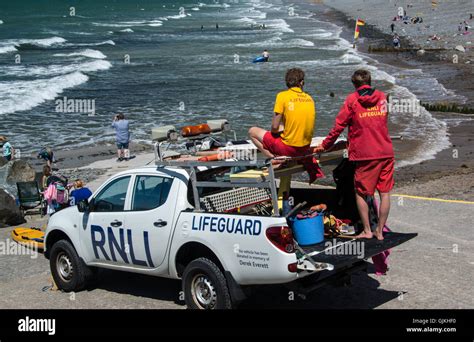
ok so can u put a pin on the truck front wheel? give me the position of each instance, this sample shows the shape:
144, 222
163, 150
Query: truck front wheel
68, 270
205, 286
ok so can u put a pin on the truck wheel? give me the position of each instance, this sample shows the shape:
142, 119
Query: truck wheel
68, 270
205, 286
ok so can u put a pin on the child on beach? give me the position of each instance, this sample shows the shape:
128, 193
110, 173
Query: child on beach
47, 154
370, 147
8, 150
122, 137
46, 174
292, 125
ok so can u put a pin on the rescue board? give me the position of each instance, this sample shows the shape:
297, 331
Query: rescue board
31, 237
259, 60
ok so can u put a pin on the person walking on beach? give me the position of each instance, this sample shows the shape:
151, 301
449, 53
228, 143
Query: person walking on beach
370, 147
392, 26
8, 150
292, 125
122, 137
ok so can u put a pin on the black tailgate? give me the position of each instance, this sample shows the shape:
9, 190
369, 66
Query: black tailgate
342, 252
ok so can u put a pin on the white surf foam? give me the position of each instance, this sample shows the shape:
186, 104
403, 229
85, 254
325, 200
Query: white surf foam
107, 42
127, 30
24, 95
7, 49
279, 25
54, 69
84, 53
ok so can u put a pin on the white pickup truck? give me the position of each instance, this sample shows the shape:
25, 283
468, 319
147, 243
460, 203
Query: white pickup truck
218, 234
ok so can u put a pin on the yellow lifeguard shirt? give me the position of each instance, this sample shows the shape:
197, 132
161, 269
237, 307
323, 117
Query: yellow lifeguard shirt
299, 115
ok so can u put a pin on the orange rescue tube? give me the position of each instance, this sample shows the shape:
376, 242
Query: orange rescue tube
191, 131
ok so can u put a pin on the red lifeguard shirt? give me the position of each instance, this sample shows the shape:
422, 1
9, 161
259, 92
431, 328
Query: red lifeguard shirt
365, 112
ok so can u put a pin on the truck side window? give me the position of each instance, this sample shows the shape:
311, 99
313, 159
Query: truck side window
112, 197
150, 192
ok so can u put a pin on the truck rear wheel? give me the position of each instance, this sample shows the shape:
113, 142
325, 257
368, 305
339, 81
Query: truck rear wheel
205, 286
68, 270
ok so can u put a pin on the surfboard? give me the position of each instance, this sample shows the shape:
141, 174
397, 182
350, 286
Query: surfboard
31, 237
259, 60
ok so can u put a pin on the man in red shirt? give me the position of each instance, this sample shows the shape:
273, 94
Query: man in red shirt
365, 113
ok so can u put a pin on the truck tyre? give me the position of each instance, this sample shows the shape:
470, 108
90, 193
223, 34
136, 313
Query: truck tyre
205, 286
68, 270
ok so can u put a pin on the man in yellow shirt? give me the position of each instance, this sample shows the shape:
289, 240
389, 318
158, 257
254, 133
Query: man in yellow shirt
295, 113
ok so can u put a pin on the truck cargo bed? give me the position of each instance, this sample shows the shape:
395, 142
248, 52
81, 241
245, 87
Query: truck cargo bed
343, 252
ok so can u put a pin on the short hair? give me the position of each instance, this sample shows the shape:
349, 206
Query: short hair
361, 77
120, 116
46, 169
78, 184
294, 77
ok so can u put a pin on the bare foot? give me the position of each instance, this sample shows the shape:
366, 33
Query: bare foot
379, 234
365, 235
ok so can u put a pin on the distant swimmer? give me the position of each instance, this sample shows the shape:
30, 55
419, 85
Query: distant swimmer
265, 55
202, 27
217, 26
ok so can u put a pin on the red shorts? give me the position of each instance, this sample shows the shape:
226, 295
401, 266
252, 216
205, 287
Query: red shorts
374, 174
279, 148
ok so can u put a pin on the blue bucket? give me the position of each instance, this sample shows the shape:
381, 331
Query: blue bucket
308, 231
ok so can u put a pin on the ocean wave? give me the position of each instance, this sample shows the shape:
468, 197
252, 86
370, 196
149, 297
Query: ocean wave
84, 53
421, 126
278, 42
1, 22
19, 44
279, 25
134, 23
127, 30
7, 49
54, 69
107, 42
24, 95
177, 16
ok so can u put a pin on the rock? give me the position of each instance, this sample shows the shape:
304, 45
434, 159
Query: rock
460, 48
420, 52
15, 171
10, 214
3, 161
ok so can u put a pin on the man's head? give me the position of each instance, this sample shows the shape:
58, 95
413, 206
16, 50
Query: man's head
361, 77
294, 78
120, 116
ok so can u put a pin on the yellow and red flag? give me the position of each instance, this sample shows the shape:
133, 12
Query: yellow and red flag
359, 22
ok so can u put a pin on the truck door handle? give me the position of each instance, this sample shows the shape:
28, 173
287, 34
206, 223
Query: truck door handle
116, 223
160, 223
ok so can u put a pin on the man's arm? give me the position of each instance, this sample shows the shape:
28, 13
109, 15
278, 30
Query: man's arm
342, 120
276, 123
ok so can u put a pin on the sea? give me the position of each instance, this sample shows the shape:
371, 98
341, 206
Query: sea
184, 62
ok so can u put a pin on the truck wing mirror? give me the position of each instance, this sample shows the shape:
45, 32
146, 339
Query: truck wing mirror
85, 206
